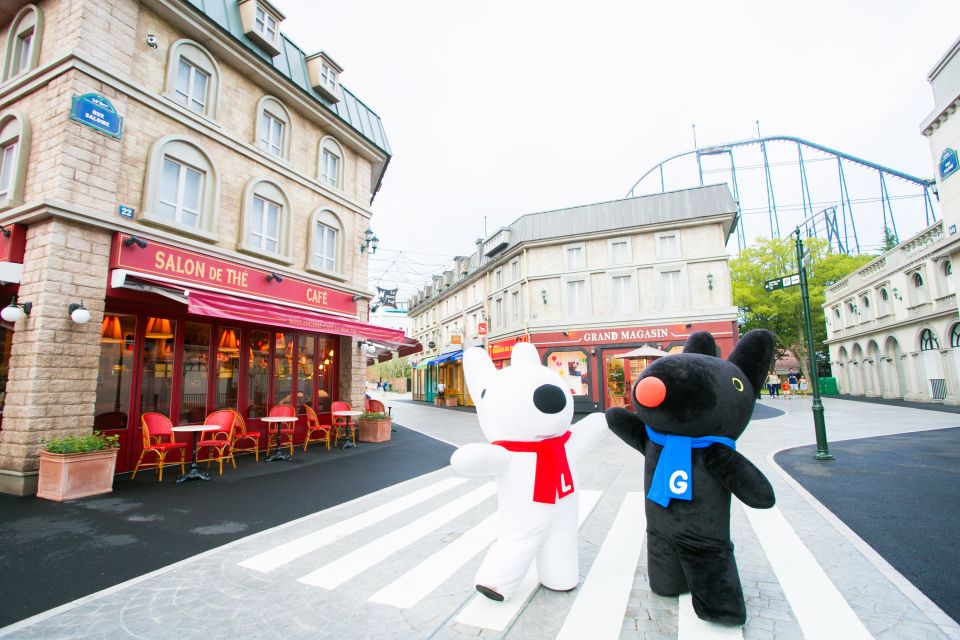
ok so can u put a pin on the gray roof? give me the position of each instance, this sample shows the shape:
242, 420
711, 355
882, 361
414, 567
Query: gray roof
291, 63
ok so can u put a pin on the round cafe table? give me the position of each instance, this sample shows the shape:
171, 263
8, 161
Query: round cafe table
194, 473
347, 414
279, 454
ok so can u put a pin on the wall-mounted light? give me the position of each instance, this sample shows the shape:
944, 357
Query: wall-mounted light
79, 313
709, 281
151, 41
543, 294
12, 313
356, 297
367, 348
274, 276
896, 294
369, 241
134, 240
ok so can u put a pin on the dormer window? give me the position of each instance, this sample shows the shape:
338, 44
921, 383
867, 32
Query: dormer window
325, 75
261, 23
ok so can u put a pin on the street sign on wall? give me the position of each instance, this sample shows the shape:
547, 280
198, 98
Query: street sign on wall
948, 163
98, 113
782, 282
482, 328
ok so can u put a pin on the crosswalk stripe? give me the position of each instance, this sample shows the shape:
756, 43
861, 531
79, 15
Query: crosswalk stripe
287, 552
488, 614
333, 574
820, 609
413, 586
602, 599
690, 627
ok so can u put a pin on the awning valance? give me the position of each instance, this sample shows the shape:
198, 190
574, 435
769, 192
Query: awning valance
453, 356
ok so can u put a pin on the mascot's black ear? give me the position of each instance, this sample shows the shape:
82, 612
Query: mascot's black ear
753, 355
701, 342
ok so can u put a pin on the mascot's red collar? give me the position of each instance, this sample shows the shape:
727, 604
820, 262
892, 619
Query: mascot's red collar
552, 479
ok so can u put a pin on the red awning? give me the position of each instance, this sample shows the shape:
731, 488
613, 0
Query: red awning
217, 305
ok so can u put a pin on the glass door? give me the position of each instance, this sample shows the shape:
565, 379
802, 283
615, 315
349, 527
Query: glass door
114, 382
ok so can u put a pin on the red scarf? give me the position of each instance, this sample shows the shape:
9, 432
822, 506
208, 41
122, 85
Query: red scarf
552, 478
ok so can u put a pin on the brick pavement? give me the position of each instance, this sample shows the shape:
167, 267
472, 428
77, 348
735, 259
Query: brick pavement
213, 596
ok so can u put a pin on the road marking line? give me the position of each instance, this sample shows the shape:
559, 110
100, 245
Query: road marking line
690, 627
287, 552
332, 575
820, 608
488, 614
412, 587
601, 603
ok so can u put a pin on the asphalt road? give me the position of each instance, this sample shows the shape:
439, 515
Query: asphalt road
53, 553
901, 494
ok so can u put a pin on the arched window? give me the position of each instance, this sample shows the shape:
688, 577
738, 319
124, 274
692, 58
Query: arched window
183, 189
955, 336
884, 295
947, 268
273, 127
331, 163
917, 280
865, 307
23, 42
193, 78
14, 147
265, 230
326, 243
928, 341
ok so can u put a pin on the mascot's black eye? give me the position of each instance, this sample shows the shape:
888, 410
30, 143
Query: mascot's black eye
483, 393
549, 398
738, 384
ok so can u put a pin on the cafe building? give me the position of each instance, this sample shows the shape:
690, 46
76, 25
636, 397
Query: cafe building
589, 285
185, 205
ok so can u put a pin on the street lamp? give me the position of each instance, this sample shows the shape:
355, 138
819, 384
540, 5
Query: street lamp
370, 241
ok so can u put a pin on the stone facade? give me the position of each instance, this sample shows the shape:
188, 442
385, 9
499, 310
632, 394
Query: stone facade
74, 179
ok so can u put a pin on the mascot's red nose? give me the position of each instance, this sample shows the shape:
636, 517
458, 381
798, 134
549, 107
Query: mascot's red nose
650, 391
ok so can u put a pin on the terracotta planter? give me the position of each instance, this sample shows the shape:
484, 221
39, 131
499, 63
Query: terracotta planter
451, 402
66, 476
374, 430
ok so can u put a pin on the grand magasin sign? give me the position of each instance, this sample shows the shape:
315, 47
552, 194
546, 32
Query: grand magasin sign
195, 269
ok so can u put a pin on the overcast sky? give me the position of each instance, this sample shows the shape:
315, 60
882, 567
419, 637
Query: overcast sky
502, 108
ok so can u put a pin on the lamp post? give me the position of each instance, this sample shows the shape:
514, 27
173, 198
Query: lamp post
823, 451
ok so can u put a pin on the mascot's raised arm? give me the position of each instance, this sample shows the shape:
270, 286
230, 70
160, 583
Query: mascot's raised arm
525, 412
690, 409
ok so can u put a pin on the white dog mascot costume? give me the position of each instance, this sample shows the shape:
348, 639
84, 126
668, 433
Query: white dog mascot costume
525, 412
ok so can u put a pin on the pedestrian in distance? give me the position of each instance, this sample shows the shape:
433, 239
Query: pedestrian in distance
802, 381
773, 385
785, 387
441, 390
792, 380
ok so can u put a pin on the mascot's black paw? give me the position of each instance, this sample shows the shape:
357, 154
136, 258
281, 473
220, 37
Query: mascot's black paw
490, 593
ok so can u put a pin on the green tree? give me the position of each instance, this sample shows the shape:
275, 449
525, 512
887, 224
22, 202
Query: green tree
890, 239
393, 368
781, 311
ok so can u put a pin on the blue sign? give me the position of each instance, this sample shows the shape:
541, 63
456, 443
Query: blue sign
948, 162
96, 111
125, 211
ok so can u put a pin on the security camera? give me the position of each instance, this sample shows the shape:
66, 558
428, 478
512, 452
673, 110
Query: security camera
152, 41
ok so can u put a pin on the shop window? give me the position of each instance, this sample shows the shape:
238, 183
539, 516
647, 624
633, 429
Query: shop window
668, 246
156, 380
326, 254
195, 373
576, 296
305, 368
193, 78
14, 143
227, 386
283, 368
928, 341
572, 367
23, 42
265, 229
115, 373
273, 127
331, 163
326, 373
182, 189
258, 374
6, 342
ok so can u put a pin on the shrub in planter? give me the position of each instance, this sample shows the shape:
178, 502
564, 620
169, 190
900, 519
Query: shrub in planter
374, 427
77, 466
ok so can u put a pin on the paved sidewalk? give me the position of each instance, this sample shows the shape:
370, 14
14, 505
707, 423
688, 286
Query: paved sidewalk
399, 563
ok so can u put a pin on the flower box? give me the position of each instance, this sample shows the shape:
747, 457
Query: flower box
451, 402
374, 429
67, 476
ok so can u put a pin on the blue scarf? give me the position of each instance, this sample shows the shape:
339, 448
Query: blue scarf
673, 479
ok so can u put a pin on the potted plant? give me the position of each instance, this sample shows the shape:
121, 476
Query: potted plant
77, 466
374, 426
451, 398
